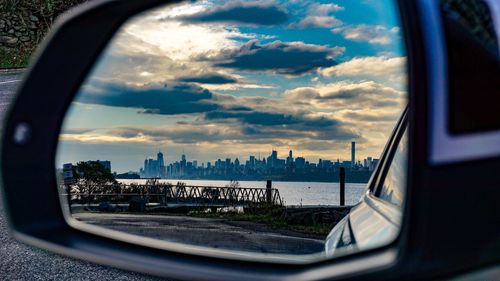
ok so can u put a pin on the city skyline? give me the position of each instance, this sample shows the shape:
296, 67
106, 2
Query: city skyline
184, 165
344, 155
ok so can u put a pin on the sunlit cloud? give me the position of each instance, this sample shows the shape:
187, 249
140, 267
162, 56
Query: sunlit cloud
318, 15
376, 66
101, 138
347, 94
373, 34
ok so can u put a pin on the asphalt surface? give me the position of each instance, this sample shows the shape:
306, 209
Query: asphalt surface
21, 262
209, 232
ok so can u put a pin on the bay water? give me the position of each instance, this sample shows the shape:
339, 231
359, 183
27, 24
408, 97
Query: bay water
292, 193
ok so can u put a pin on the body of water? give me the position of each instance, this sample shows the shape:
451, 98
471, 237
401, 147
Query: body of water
293, 193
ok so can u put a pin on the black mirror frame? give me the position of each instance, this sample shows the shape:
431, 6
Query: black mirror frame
31, 134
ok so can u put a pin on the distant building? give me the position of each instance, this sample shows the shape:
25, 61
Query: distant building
353, 154
289, 159
154, 168
300, 162
251, 162
159, 158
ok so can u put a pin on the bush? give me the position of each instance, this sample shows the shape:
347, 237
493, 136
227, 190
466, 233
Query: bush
14, 58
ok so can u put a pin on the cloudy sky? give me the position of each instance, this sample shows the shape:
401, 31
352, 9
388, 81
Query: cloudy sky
218, 79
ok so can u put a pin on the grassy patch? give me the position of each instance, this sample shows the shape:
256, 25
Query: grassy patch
272, 217
14, 58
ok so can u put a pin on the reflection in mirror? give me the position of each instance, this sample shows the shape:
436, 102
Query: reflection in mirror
243, 128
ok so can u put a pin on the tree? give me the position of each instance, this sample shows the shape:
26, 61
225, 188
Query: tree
93, 177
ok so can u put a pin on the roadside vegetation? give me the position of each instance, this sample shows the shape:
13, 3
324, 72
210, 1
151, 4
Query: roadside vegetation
14, 58
271, 216
33, 18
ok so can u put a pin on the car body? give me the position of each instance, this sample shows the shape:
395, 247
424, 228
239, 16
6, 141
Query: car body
374, 220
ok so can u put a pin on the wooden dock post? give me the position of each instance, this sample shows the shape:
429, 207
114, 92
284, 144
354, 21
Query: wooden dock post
342, 186
269, 186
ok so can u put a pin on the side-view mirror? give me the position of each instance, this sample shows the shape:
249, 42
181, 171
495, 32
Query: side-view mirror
262, 140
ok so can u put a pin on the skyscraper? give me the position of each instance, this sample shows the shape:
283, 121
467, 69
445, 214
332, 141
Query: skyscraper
289, 159
252, 161
353, 153
159, 158
161, 165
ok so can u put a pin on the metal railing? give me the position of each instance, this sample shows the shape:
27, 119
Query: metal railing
176, 194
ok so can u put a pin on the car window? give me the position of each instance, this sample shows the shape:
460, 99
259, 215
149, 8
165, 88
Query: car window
473, 59
393, 188
475, 18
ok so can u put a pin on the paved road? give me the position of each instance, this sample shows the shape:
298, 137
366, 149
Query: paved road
8, 84
22, 262
209, 232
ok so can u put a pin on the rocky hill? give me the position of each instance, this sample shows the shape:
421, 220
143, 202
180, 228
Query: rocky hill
23, 24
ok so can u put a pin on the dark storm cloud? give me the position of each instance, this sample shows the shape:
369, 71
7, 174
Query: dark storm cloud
242, 13
270, 118
253, 117
186, 133
180, 134
213, 78
366, 117
257, 124
168, 100
247, 127
291, 58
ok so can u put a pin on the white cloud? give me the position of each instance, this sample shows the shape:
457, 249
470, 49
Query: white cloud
318, 15
395, 29
380, 66
324, 9
373, 34
153, 50
366, 95
317, 21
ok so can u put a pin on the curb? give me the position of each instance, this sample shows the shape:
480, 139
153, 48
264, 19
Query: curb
12, 70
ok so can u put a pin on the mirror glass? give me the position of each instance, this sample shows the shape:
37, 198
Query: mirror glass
241, 128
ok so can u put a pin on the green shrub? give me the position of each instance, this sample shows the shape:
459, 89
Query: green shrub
14, 58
